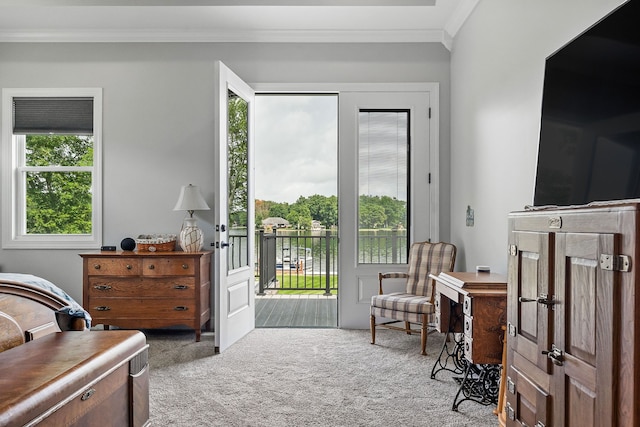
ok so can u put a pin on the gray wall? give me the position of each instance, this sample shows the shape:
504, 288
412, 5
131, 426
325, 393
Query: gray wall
158, 126
497, 71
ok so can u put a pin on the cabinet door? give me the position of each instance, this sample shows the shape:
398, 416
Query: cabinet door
529, 326
584, 331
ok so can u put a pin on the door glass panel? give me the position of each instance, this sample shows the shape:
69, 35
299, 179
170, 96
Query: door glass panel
238, 179
383, 171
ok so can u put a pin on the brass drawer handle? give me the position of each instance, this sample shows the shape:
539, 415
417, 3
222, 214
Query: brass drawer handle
102, 287
102, 308
152, 267
129, 267
87, 394
185, 266
181, 308
180, 287
96, 266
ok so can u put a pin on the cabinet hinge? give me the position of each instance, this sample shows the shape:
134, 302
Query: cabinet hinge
429, 177
513, 250
511, 386
511, 414
429, 112
615, 262
511, 328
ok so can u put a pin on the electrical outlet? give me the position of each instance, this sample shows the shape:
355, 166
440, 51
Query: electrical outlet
470, 216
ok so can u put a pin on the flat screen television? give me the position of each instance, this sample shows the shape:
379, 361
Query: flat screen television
589, 148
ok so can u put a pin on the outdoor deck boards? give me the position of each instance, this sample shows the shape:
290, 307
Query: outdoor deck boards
296, 311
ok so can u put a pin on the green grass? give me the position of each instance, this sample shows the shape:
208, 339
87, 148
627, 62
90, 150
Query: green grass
314, 285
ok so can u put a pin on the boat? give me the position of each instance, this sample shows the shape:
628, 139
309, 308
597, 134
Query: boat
299, 261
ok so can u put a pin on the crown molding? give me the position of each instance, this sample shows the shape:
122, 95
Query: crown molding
457, 20
261, 36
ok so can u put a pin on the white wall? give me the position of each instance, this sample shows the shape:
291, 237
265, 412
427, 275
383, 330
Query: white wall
158, 119
497, 71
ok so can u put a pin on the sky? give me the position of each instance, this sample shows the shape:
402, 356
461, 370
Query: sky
296, 149
296, 146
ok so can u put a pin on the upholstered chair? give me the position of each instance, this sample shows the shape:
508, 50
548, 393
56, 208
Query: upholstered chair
399, 310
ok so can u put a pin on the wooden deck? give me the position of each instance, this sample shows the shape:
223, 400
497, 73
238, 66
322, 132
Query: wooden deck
296, 311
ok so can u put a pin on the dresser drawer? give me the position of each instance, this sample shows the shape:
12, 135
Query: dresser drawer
139, 308
113, 266
468, 326
468, 349
158, 266
170, 287
467, 307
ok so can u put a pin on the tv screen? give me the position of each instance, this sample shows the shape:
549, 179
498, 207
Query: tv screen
589, 147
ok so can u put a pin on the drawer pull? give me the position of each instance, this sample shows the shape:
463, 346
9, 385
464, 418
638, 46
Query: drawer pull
180, 287
87, 394
96, 266
181, 308
102, 308
185, 266
102, 287
129, 267
152, 267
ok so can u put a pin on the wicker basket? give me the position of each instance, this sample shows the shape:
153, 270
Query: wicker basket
156, 242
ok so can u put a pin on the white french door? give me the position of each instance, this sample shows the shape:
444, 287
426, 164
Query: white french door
358, 278
234, 284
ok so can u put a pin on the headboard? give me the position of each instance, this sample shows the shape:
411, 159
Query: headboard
28, 312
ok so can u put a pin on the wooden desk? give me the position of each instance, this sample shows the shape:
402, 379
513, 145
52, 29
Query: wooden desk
483, 300
472, 307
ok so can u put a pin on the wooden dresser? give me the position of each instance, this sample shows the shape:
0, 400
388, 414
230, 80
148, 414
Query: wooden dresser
145, 290
97, 378
573, 321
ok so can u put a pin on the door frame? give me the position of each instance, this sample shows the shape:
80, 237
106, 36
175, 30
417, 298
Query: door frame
433, 88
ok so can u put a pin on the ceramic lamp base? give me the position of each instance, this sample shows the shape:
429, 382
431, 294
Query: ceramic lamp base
191, 237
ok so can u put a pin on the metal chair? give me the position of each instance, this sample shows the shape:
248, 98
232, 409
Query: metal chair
416, 304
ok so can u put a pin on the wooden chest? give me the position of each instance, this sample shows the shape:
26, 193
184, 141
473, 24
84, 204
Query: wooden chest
98, 378
144, 290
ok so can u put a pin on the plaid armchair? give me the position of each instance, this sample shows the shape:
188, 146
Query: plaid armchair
415, 304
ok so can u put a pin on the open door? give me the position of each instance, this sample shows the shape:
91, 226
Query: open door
234, 282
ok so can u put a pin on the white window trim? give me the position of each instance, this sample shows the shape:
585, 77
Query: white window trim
12, 238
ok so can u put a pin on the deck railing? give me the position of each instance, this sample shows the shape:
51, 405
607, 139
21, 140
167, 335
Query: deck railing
309, 262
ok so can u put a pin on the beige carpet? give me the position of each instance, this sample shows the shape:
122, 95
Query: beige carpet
303, 377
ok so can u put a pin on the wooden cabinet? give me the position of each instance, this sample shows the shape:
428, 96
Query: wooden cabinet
144, 290
572, 321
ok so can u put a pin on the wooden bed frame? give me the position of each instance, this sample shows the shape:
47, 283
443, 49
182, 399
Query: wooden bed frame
28, 312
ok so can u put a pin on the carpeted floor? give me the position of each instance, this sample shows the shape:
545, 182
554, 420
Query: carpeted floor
303, 377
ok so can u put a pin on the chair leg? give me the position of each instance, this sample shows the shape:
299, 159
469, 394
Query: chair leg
407, 328
423, 335
373, 329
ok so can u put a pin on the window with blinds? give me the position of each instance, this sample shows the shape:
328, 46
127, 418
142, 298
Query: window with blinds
54, 146
383, 180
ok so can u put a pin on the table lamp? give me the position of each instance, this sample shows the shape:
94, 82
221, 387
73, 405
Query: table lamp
190, 200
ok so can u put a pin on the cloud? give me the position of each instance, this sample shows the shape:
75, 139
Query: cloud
296, 146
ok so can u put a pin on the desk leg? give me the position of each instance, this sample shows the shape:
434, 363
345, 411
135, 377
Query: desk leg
480, 384
452, 351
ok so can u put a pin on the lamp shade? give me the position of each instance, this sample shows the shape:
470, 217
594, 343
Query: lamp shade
191, 200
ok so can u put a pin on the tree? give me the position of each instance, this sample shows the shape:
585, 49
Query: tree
323, 209
59, 202
237, 146
300, 216
371, 214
